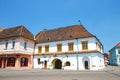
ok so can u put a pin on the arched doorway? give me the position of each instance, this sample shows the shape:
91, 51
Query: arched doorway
45, 64
57, 64
86, 64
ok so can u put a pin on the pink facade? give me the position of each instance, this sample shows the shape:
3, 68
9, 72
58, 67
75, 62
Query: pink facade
17, 57
16, 48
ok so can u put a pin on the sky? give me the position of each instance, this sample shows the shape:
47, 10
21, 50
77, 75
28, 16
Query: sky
99, 17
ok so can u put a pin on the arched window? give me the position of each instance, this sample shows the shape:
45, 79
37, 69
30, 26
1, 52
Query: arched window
67, 63
24, 62
11, 62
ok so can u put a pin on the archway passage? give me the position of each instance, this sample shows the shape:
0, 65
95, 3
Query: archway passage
86, 64
57, 64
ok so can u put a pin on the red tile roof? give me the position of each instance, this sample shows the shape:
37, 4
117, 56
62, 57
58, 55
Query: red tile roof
65, 33
118, 45
1, 29
18, 31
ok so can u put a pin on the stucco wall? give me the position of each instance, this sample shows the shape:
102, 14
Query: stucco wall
19, 46
114, 58
95, 61
77, 45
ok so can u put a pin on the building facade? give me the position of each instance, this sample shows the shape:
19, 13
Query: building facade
68, 48
114, 56
106, 59
16, 48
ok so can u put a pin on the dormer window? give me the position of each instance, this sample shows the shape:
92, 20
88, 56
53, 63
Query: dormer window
49, 39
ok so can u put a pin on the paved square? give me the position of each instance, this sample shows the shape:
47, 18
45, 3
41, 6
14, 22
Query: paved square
110, 73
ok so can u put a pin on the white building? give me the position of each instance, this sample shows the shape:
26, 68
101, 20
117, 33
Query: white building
68, 48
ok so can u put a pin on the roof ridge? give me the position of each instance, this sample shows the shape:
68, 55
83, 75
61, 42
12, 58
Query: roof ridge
64, 27
63, 33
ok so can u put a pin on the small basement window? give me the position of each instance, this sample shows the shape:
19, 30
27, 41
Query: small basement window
67, 63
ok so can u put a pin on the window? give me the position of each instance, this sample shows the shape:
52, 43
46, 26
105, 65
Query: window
6, 45
118, 51
67, 63
39, 61
0, 62
11, 62
97, 46
70, 46
46, 48
39, 49
85, 45
13, 44
24, 62
25, 45
59, 47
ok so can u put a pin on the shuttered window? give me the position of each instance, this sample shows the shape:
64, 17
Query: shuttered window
70, 46
59, 47
84, 45
46, 48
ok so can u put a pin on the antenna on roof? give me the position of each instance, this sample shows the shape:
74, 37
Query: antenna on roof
79, 22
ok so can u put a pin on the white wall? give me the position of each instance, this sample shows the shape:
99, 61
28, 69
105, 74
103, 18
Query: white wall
96, 61
77, 45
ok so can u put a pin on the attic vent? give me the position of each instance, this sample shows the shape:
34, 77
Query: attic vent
70, 36
48, 39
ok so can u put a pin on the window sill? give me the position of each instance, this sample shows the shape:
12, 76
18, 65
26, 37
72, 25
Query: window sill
5, 49
25, 49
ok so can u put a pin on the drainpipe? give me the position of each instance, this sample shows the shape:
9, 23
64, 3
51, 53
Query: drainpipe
33, 53
77, 55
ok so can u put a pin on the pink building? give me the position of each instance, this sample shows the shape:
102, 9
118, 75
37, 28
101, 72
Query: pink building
16, 48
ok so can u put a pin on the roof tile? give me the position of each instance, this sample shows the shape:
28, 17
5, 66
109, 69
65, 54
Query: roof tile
118, 45
65, 33
18, 31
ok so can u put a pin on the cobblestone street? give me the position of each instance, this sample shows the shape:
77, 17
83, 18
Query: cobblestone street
109, 73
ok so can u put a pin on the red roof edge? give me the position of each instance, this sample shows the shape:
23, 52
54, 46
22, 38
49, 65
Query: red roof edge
118, 45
